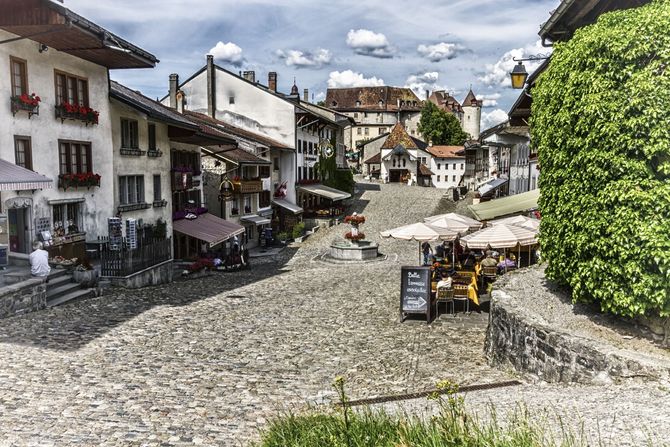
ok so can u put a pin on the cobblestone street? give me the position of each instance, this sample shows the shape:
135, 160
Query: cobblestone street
209, 360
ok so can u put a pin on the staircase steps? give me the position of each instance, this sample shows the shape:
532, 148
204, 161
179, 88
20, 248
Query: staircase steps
62, 289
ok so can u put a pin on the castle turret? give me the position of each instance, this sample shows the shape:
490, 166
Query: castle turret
472, 115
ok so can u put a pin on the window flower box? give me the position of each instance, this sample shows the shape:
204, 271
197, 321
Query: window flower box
76, 112
26, 103
159, 203
133, 207
132, 151
84, 179
154, 153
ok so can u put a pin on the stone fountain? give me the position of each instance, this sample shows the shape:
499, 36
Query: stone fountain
354, 247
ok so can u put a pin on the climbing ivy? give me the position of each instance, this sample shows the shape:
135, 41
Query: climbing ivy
600, 121
342, 179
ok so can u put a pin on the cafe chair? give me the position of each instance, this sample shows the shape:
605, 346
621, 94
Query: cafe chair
490, 272
445, 295
461, 294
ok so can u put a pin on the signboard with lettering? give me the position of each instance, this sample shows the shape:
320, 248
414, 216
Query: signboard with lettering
415, 292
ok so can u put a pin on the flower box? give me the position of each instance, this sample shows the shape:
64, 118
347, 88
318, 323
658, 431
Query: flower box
132, 151
76, 112
84, 179
154, 153
26, 103
160, 203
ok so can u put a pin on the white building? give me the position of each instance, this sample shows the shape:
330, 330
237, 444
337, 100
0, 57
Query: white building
59, 138
403, 161
447, 164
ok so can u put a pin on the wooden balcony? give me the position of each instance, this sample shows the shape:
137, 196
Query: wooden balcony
247, 186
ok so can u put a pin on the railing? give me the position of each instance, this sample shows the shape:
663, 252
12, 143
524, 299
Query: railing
126, 261
247, 186
84, 180
67, 111
17, 106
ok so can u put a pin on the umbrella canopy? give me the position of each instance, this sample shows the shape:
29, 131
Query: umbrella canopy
500, 236
520, 221
458, 226
420, 232
471, 223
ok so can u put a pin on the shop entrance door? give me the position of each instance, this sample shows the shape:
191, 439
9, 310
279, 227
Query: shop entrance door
396, 175
18, 230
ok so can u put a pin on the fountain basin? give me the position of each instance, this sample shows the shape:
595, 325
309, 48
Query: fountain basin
354, 251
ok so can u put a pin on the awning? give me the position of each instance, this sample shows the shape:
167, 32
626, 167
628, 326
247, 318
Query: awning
208, 228
491, 186
325, 192
292, 207
16, 178
255, 219
507, 205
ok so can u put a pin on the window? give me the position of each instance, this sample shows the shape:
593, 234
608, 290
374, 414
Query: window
367, 131
247, 204
235, 207
129, 134
438, 178
275, 164
299, 175
23, 152
439, 166
231, 100
381, 131
264, 199
381, 103
67, 216
462, 166
71, 89
304, 146
304, 172
404, 162
365, 114
299, 146
358, 103
394, 162
355, 115
311, 147
454, 166
152, 136
310, 173
19, 72
131, 189
359, 131
157, 188
74, 157
453, 178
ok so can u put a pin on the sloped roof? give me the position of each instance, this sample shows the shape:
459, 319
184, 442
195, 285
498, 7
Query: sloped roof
237, 156
445, 101
399, 137
425, 171
375, 159
148, 106
446, 151
382, 98
54, 25
470, 99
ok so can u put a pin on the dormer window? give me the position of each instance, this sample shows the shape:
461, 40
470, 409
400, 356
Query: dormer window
358, 103
333, 104
381, 103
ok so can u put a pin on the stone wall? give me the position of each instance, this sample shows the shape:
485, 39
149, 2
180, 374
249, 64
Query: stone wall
22, 297
158, 274
536, 330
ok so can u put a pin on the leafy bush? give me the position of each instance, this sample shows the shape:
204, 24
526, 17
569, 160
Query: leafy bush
599, 119
298, 229
282, 236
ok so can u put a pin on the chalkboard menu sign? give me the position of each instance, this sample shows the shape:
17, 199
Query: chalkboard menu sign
415, 292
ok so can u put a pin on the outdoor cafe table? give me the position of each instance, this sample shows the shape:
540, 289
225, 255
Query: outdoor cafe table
472, 287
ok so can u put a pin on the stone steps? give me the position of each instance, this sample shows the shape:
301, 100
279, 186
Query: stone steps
61, 289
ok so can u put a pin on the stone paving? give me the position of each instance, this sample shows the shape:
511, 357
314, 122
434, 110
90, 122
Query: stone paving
208, 361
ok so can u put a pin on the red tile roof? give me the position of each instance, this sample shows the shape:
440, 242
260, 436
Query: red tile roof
424, 170
372, 99
446, 151
399, 137
471, 100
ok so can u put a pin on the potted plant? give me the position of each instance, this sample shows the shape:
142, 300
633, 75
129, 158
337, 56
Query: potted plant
282, 236
29, 103
297, 231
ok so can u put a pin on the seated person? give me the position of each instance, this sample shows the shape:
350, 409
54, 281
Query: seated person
505, 264
445, 282
489, 261
439, 251
468, 260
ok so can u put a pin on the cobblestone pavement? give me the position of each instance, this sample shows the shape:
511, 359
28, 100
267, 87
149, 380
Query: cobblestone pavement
208, 361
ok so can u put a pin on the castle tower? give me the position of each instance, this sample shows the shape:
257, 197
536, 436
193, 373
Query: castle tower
472, 115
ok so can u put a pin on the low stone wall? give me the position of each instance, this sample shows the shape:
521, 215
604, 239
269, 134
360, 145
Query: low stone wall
537, 331
22, 297
158, 274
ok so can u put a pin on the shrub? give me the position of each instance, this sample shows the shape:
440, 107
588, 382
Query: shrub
298, 229
599, 119
282, 236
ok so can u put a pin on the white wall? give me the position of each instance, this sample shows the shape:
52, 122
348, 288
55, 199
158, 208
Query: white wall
472, 121
444, 171
143, 165
45, 131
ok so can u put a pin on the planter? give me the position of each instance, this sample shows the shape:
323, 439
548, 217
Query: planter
18, 106
80, 113
86, 278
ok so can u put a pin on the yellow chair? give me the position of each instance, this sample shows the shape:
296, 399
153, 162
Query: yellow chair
445, 295
461, 294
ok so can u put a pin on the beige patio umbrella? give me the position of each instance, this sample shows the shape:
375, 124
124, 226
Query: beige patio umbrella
520, 221
500, 236
420, 232
449, 223
454, 217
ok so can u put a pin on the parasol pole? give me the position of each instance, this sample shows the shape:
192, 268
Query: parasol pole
518, 262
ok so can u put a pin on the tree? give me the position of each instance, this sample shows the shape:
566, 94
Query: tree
599, 119
440, 126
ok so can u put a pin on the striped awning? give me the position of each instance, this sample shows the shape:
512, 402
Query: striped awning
208, 228
16, 178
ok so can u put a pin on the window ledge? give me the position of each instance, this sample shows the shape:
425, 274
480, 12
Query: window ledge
155, 153
159, 203
133, 207
132, 151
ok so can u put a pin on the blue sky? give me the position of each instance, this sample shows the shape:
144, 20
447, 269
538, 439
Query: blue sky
427, 44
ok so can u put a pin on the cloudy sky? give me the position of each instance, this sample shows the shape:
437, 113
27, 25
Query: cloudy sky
427, 44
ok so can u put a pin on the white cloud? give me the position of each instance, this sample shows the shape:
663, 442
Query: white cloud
490, 100
306, 59
348, 78
369, 43
440, 51
493, 118
421, 82
498, 73
227, 52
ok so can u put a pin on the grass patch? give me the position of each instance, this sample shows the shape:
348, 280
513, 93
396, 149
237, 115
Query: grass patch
453, 426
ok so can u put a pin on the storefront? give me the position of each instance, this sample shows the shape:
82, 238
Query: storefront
205, 236
321, 203
285, 215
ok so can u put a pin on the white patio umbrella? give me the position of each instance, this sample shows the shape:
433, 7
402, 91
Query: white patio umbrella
449, 223
420, 232
520, 221
501, 236
471, 223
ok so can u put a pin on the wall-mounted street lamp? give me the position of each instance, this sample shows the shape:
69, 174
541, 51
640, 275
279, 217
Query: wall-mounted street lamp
519, 73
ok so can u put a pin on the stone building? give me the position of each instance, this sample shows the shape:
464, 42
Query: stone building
469, 113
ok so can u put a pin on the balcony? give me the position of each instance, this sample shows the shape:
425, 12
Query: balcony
247, 186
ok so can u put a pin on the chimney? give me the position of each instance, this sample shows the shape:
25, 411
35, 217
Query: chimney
272, 81
305, 95
174, 85
250, 76
181, 101
211, 87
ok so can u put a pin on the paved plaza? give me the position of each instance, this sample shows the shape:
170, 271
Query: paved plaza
208, 361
